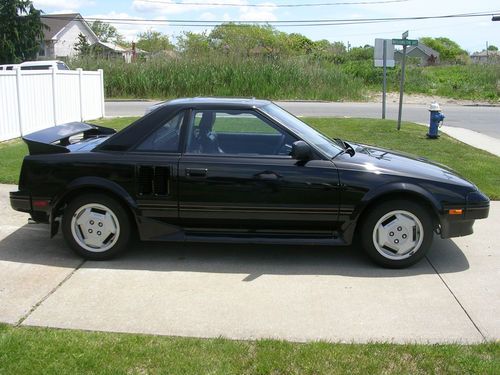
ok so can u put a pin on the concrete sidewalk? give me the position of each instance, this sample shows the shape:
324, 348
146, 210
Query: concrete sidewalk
474, 139
246, 292
471, 138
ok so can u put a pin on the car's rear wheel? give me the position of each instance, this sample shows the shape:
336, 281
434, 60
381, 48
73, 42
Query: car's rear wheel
96, 226
397, 233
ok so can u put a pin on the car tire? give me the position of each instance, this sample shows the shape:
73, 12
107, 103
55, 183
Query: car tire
397, 233
96, 226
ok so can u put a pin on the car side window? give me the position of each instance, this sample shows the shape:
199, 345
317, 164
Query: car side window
166, 138
62, 66
236, 133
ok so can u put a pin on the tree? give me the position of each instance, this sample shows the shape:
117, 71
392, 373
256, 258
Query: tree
82, 46
447, 48
106, 32
334, 52
193, 43
360, 53
247, 39
492, 48
21, 31
153, 41
299, 43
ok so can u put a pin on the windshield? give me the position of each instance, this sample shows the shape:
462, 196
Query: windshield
325, 144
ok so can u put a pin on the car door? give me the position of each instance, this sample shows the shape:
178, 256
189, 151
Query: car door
156, 159
236, 174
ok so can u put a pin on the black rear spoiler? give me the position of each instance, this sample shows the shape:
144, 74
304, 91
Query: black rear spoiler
54, 140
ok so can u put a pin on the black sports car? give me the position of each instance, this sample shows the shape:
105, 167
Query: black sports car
241, 171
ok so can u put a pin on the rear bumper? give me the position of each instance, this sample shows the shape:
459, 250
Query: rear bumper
477, 207
23, 201
20, 201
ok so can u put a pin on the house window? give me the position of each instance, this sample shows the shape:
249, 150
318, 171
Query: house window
41, 51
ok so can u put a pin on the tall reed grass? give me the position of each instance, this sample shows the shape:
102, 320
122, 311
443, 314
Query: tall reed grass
285, 78
221, 76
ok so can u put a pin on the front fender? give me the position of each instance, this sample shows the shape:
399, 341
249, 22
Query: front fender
386, 191
396, 188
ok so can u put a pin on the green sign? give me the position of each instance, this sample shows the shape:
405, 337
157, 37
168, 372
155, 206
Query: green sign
405, 42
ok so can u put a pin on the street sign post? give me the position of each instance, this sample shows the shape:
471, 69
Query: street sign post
378, 53
404, 42
383, 56
384, 80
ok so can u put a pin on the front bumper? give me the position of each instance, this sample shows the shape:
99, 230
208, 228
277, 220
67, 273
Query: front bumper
477, 207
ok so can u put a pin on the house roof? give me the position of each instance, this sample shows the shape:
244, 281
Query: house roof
57, 22
426, 49
422, 47
117, 48
485, 53
112, 46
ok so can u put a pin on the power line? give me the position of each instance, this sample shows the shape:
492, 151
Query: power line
266, 5
399, 30
282, 23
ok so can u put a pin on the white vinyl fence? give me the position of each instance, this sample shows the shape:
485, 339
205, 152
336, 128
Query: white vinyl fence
32, 100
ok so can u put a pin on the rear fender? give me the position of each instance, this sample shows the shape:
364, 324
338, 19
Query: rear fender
87, 184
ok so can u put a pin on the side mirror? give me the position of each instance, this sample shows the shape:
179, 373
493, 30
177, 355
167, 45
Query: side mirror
301, 151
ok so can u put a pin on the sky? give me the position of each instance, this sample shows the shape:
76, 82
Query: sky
471, 33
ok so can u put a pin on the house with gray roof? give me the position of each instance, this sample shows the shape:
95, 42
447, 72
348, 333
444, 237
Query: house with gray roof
61, 35
486, 57
425, 54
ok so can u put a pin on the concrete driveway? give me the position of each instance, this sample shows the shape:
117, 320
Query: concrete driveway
246, 292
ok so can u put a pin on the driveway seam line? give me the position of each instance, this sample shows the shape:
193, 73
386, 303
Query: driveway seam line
44, 298
456, 299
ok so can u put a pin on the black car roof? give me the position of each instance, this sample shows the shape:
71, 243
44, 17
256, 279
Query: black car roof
126, 138
216, 101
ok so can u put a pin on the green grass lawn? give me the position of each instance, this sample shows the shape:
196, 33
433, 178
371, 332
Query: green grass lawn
25, 350
480, 167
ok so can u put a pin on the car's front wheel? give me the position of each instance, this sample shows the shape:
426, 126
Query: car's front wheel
397, 233
96, 226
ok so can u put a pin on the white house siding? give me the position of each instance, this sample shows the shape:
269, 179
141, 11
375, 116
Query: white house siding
68, 37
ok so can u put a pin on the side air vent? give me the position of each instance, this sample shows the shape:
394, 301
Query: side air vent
153, 180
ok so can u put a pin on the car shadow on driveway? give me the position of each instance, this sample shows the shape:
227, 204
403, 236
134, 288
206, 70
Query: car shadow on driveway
31, 245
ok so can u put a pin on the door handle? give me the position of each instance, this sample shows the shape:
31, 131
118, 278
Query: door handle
268, 176
196, 172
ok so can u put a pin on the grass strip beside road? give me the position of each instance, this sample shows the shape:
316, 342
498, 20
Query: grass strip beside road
29, 350
476, 165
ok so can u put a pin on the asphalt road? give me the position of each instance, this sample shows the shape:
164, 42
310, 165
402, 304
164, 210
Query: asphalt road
244, 292
485, 120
